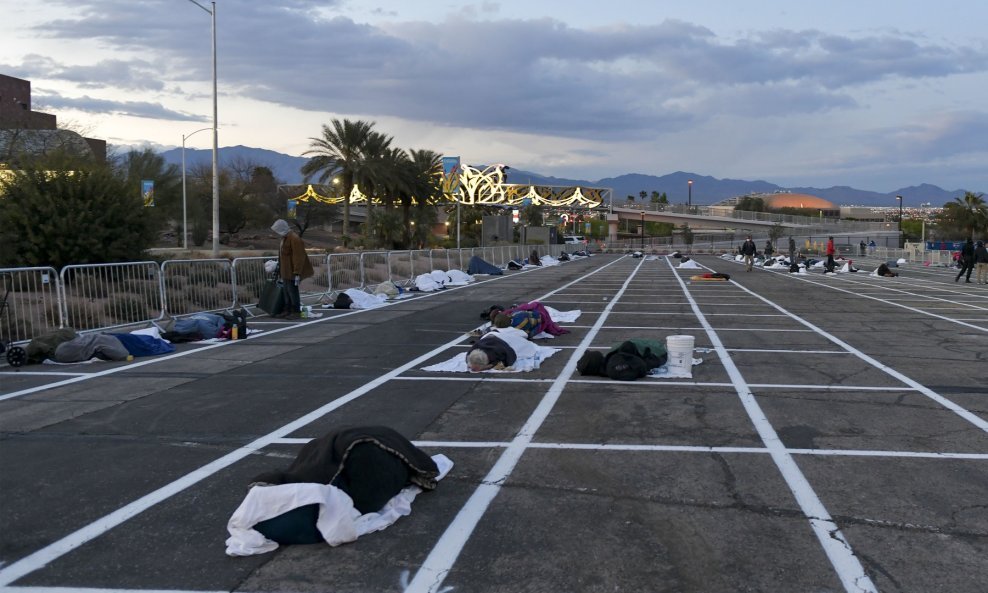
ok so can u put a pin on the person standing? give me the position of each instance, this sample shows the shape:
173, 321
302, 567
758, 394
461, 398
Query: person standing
769, 250
862, 247
966, 261
831, 264
871, 247
748, 250
294, 265
981, 261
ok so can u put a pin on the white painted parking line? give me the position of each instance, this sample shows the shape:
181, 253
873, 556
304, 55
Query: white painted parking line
430, 576
838, 550
42, 557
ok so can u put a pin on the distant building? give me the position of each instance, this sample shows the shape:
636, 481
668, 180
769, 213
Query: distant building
27, 132
782, 199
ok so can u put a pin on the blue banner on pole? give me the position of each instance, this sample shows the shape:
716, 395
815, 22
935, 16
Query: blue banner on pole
292, 208
451, 165
147, 192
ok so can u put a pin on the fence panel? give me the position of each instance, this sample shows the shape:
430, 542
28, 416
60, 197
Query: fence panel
441, 259
400, 267
30, 303
196, 285
248, 280
375, 268
344, 271
103, 296
421, 262
316, 285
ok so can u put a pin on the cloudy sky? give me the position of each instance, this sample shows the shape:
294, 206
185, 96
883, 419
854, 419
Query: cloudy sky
875, 94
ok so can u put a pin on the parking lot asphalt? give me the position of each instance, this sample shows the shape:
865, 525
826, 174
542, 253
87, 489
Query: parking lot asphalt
833, 437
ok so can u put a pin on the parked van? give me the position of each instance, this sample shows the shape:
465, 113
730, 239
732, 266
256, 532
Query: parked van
574, 240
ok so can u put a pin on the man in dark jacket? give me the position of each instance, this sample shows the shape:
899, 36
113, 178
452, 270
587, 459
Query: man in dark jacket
748, 250
966, 261
981, 261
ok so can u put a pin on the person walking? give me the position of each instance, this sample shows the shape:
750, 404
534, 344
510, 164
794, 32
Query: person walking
748, 250
831, 264
294, 266
981, 262
966, 261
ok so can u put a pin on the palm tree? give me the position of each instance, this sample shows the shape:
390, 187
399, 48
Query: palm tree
969, 213
424, 177
340, 151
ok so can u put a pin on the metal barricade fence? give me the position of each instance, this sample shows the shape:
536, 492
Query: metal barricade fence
400, 267
441, 259
103, 296
195, 285
344, 271
30, 303
316, 285
374, 266
421, 262
248, 280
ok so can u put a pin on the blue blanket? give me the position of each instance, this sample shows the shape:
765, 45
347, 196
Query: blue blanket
139, 345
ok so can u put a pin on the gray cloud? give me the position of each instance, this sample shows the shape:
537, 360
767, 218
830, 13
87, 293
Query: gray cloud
533, 76
43, 100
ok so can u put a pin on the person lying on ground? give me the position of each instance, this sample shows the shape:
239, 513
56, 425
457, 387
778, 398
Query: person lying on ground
883, 270
627, 361
490, 352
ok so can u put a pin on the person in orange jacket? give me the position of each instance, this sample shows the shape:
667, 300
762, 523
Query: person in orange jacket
831, 264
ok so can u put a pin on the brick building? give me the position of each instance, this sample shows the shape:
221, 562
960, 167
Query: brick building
24, 131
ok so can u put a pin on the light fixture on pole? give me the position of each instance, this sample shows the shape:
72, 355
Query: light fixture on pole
185, 218
689, 195
901, 238
216, 175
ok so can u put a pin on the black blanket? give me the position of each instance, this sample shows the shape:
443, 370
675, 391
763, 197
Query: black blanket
370, 463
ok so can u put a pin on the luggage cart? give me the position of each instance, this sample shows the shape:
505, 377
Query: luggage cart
16, 356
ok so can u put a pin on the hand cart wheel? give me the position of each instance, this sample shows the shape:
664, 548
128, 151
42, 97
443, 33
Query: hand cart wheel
17, 356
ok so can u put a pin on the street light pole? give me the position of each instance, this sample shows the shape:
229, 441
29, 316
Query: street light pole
643, 230
185, 218
689, 186
901, 238
216, 175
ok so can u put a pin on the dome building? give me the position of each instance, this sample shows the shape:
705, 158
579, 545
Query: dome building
787, 200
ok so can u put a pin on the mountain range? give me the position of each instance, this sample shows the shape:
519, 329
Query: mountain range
706, 189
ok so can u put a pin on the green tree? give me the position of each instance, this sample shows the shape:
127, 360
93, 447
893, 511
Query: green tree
56, 214
340, 152
968, 213
687, 234
532, 215
775, 232
750, 204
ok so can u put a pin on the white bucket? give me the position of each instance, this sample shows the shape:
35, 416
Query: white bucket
680, 351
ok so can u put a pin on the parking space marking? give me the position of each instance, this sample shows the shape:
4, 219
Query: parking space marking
943, 401
439, 562
850, 571
51, 552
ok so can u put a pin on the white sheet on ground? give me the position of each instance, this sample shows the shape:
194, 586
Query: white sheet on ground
363, 300
458, 278
563, 316
664, 372
548, 260
338, 521
528, 355
690, 265
427, 282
